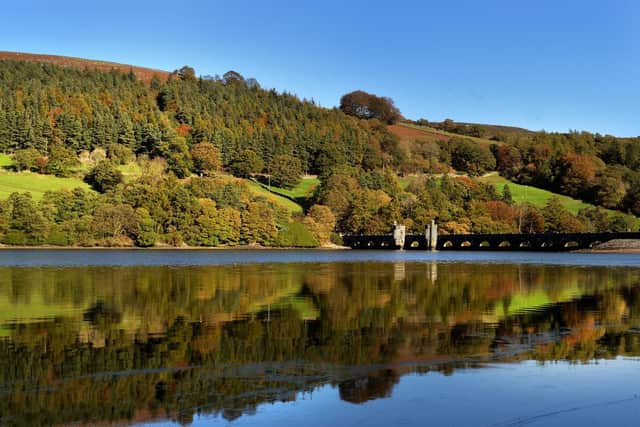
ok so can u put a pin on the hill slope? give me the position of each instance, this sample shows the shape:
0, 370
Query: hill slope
142, 73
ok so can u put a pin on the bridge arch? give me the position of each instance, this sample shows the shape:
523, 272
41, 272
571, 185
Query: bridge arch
465, 244
504, 244
484, 244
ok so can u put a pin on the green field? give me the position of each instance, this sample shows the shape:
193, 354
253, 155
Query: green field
303, 190
259, 190
5, 161
536, 196
36, 184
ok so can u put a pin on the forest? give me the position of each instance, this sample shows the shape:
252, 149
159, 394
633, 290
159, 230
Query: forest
199, 143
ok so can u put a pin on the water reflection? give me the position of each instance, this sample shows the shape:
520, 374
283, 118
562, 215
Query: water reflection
131, 344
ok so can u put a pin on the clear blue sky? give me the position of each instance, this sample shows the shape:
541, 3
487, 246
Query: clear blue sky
554, 65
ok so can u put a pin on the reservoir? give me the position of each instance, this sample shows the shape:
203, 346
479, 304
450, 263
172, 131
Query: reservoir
277, 337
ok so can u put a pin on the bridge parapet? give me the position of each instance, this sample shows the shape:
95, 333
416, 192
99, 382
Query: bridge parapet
551, 242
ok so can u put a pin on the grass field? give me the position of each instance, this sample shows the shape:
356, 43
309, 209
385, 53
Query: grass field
259, 190
304, 189
36, 184
536, 196
5, 161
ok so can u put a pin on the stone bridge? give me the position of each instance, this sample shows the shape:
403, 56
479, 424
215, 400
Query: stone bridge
551, 242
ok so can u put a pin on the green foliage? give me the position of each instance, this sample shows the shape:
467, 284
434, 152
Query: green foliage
506, 194
27, 159
296, 235
286, 171
258, 225
119, 153
559, 220
60, 161
145, 230
246, 164
467, 156
104, 176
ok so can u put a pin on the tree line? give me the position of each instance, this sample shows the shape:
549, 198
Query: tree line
189, 133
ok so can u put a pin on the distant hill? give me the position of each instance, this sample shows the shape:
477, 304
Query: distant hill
144, 74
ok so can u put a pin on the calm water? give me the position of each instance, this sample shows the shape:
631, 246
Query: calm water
319, 338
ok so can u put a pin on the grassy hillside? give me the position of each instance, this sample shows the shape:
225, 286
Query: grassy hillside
536, 196
36, 184
144, 74
259, 190
408, 132
5, 161
301, 194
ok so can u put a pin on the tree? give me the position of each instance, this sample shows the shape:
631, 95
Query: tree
119, 153
321, 221
246, 164
60, 161
368, 106
508, 160
506, 194
206, 158
285, 170
530, 220
144, 230
25, 218
112, 223
610, 191
27, 159
104, 176
258, 225
469, 156
578, 174
559, 220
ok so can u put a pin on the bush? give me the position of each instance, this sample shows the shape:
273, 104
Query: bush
120, 154
27, 159
295, 235
104, 176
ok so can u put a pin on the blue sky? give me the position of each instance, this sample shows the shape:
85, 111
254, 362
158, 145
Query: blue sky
554, 65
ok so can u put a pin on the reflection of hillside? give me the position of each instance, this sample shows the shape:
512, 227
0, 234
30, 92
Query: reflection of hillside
125, 343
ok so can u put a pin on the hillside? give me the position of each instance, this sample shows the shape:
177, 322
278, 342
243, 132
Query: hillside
488, 131
144, 74
535, 196
223, 162
409, 132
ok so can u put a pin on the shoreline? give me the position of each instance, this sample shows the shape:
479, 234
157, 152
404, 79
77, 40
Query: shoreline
171, 248
261, 248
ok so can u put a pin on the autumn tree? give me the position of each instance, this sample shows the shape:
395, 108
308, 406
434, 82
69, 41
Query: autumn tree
368, 106
559, 220
206, 158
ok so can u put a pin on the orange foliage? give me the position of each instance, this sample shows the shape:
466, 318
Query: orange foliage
183, 130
